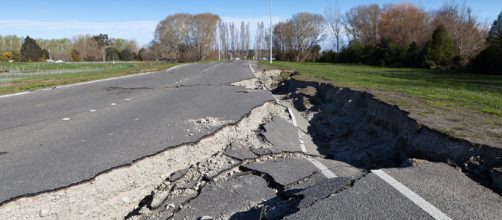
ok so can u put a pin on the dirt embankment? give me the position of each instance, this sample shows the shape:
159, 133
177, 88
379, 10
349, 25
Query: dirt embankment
356, 128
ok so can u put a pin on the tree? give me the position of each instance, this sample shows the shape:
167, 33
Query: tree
45, 54
441, 50
307, 30
87, 48
403, 24
489, 60
75, 56
333, 18
468, 34
185, 37
496, 29
126, 55
30, 51
362, 22
103, 43
112, 54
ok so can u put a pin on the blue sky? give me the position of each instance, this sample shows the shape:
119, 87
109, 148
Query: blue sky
137, 19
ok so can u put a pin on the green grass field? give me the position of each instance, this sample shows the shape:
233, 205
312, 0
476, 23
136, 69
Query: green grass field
17, 77
453, 102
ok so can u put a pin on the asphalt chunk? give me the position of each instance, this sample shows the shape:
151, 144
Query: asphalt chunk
239, 152
282, 135
221, 199
284, 172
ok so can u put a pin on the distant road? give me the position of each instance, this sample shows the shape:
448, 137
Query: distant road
55, 138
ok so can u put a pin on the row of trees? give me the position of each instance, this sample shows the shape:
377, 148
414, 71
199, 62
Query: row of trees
80, 48
404, 34
234, 43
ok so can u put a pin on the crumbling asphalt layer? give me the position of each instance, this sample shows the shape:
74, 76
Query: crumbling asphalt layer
271, 164
65, 136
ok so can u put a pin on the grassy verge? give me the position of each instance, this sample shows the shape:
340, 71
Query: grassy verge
460, 104
17, 77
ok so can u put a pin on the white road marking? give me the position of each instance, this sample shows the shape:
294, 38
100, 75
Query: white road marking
66, 119
293, 117
113, 104
92, 110
88, 82
415, 198
127, 99
251, 67
15, 94
324, 170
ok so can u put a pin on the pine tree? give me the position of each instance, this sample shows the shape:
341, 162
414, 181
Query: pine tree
496, 29
440, 51
30, 51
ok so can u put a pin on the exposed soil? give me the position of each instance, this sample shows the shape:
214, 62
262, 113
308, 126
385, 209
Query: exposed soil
356, 128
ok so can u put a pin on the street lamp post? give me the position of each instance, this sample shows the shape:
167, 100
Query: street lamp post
271, 34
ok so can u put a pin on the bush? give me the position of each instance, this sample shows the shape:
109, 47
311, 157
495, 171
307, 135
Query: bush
490, 59
126, 55
354, 53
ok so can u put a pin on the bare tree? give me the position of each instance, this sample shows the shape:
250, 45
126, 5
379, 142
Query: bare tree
223, 33
308, 32
468, 33
87, 47
362, 22
333, 17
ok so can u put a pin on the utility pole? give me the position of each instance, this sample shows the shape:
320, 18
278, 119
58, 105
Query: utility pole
271, 34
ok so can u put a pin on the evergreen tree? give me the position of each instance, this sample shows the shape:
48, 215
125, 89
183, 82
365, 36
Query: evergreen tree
496, 28
30, 51
440, 51
489, 60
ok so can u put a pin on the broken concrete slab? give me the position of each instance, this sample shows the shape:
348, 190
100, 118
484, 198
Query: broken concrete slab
284, 172
240, 152
283, 135
221, 199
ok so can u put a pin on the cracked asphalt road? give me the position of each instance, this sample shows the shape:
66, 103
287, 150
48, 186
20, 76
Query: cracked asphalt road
269, 170
59, 137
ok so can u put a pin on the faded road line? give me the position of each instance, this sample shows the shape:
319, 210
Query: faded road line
415, 198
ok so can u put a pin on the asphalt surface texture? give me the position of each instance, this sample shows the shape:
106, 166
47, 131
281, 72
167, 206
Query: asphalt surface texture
51, 139
54, 138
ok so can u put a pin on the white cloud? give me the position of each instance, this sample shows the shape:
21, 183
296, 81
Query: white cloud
142, 31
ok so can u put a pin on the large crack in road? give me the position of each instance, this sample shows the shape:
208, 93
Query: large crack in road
316, 152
